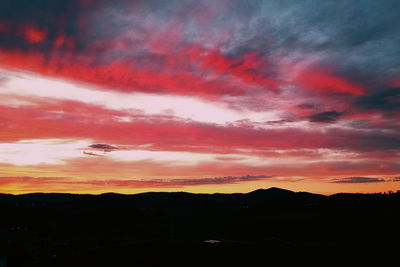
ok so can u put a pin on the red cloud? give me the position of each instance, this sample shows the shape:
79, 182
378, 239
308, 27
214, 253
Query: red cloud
322, 80
94, 122
34, 35
119, 75
250, 67
60, 40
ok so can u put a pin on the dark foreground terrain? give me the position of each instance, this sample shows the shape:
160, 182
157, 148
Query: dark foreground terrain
160, 228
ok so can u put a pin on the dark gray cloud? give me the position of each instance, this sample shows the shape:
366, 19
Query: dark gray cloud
363, 180
104, 147
179, 182
358, 38
366, 140
386, 99
328, 116
29, 181
357, 180
307, 106
218, 180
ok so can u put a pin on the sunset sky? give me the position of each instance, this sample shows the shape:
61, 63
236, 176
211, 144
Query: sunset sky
200, 96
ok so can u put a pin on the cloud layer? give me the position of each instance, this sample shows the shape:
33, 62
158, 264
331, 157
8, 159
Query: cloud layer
304, 91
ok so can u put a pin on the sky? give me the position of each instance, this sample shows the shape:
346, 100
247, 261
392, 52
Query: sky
204, 96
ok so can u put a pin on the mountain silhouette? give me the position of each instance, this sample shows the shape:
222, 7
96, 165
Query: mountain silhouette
259, 195
272, 193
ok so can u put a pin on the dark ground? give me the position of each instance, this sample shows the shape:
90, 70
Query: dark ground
159, 228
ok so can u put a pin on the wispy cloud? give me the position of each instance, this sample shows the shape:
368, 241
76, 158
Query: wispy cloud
362, 180
59, 183
328, 116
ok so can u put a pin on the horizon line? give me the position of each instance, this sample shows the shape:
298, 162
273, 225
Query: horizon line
197, 193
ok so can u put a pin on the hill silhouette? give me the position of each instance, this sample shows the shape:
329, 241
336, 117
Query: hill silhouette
54, 229
259, 195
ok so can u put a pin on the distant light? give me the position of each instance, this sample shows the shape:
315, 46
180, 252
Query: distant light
212, 241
